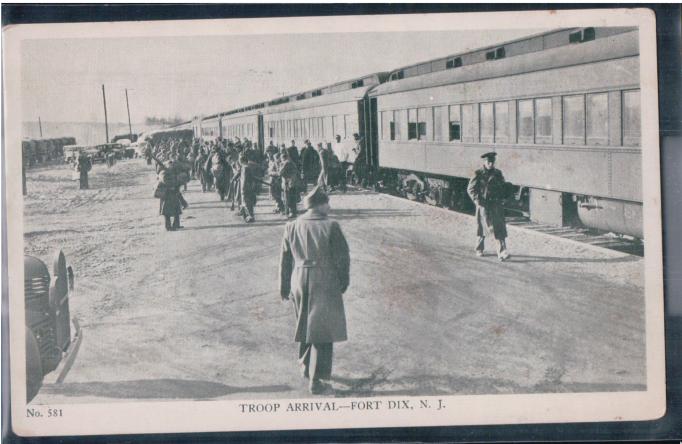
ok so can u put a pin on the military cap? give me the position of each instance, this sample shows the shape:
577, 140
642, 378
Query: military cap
316, 197
491, 156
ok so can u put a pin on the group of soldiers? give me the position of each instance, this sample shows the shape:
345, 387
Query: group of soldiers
237, 169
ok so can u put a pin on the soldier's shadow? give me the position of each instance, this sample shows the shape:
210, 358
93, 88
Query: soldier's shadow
164, 388
240, 224
519, 258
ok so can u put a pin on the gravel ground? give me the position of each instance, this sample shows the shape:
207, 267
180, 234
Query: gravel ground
196, 314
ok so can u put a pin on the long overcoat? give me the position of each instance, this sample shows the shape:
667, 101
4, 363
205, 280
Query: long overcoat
171, 205
487, 189
314, 273
249, 184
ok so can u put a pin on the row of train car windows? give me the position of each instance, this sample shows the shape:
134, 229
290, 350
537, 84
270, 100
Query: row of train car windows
316, 128
242, 130
585, 120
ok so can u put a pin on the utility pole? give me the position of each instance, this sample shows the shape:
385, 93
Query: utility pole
106, 122
130, 127
40, 125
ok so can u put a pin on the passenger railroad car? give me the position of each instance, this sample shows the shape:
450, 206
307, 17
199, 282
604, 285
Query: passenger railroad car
561, 109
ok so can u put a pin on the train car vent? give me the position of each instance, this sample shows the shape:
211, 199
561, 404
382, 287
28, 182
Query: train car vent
588, 34
357, 84
575, 37
398, 75
584, 35
300, 97
317, 93
453, 63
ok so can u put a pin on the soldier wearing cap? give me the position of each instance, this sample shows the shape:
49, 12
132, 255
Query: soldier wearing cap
487, 189
248, 186
314, 274
289, 174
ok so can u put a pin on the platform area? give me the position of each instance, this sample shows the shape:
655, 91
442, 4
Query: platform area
196, 314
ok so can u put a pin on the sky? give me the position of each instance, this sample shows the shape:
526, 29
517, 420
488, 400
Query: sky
188, 76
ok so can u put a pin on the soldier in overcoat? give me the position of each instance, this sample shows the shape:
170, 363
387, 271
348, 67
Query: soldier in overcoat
172, 201
249, 184
314, 274
487, 190
289, 175
83, 166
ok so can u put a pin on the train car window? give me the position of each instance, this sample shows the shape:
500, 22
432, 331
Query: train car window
574, 120
487, 123
386, 121
328, 127
468, 123
525, 120
352, 125
424, 124
398, 118
631, 118
411, 124
455, 124
500, 53
501, 122
543, 121
440, 123
597, 106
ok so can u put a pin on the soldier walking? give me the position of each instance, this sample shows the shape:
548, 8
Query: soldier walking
83, 166
171, 200
487, 189
314, 274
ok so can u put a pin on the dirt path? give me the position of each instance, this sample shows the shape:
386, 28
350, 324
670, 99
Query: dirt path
196, 314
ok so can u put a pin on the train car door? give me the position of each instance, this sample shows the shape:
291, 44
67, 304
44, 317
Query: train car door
369, 132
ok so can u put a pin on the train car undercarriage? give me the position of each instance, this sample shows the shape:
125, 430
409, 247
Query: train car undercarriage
544, 206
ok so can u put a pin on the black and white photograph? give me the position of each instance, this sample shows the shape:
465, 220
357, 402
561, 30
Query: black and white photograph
333, 222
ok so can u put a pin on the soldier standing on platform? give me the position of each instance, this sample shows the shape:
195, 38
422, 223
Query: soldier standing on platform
487, 189
314, 273
271, 149
323, 178
293, 154
275, 183
289, 174
309, 164
83, 166
249, 187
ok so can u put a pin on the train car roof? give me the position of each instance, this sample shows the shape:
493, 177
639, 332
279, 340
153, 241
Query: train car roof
343, 91
532, 43
618, 45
